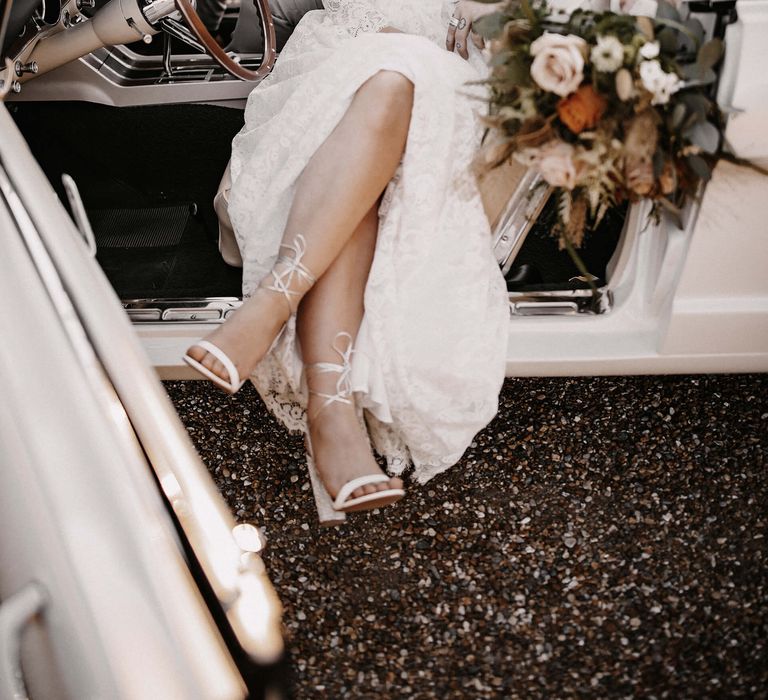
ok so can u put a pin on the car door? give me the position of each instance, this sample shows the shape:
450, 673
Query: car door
689, 296
120, 576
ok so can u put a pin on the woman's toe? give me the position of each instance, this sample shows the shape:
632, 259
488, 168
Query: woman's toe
197, 353
215, 366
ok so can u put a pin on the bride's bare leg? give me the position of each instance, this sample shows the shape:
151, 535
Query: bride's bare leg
341, 182
333, 305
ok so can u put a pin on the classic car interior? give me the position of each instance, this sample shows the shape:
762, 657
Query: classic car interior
144, 129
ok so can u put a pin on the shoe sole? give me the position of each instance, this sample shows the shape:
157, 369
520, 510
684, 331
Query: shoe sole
375, 501
222, 384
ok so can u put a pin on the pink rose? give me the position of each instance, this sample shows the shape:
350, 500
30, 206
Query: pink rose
555, 163
558, 64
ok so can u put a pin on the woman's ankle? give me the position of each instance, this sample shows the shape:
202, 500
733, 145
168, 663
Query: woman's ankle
338, 422
290, 279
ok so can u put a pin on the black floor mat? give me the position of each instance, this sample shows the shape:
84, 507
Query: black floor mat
152, 227
141, 171
161, 252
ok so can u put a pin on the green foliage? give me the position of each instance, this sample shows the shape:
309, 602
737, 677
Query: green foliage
490, 26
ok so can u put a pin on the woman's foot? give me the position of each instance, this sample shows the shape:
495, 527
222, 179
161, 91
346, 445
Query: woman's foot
246, 336
342, 453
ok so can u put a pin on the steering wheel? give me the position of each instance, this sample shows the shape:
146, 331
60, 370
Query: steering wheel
207, 43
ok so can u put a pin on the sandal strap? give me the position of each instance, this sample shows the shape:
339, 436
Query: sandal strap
290, 266
221, 356
348, 488
344, 370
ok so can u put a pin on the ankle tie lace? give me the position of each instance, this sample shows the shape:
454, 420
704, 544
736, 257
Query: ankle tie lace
293, 266
344, 382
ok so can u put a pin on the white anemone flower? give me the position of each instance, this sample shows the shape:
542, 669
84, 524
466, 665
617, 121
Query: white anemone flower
650, 49
660, 84
608, 55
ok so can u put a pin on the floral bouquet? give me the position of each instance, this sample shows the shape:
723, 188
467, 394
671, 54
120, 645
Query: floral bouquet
607, 108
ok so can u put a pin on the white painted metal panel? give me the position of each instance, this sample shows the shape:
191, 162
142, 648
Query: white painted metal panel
743, 87
82, 510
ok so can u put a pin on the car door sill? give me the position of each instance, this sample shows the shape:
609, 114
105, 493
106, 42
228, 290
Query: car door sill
188, 310
218, 309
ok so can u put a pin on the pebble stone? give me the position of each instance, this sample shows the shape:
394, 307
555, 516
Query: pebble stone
602, 538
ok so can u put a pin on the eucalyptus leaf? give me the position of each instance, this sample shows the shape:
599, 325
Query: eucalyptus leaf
689, 122
696, 28
695, 76
677, 116
490, 26
689, 41
668, 40
709, 54
705, 135
665, 10
699, 167
676, 26
695, 102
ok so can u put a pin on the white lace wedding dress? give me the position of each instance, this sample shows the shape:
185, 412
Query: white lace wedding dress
430, 354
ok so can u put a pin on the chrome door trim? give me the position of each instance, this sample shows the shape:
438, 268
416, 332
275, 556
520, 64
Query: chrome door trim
517, 219
15, 613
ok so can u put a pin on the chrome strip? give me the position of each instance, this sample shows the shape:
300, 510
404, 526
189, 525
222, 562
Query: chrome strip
190, 310
520, 213
15, 613
78, 213
134, 69
561, 302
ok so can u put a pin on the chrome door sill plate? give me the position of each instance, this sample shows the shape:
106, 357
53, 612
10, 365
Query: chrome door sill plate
190, 310
218, 309
568, 302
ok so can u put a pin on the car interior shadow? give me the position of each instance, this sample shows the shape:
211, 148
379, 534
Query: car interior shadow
147, 176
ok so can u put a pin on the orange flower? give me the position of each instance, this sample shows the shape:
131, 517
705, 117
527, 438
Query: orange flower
581, 109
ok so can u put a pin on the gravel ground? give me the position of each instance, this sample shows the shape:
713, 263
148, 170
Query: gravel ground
601, 538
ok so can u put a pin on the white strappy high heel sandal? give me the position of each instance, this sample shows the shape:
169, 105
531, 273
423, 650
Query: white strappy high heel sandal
234, 384
285, 270
332, 511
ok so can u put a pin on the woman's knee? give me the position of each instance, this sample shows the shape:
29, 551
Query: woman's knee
389, 99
